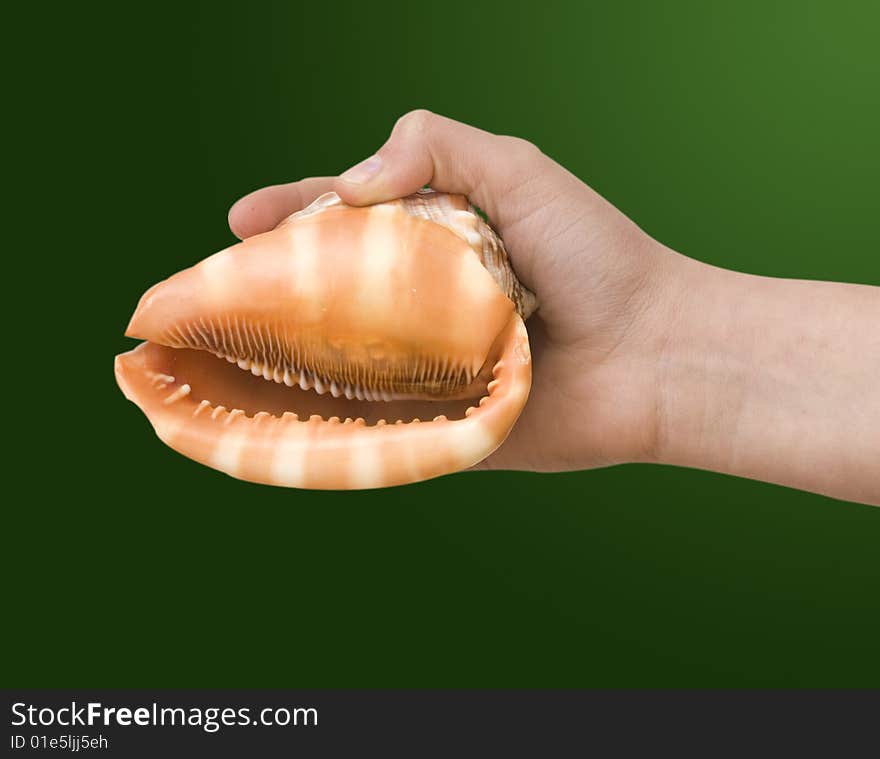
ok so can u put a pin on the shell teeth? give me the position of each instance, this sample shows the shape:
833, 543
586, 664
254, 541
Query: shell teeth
181, 392
201, 407
229, 417
160, 381
233, 415
308, 380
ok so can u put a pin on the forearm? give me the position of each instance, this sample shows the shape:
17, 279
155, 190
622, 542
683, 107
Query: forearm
777, 380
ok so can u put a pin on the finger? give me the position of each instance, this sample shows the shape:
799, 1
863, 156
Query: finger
262, 209
425, 148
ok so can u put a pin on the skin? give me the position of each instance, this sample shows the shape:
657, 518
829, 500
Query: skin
642, 354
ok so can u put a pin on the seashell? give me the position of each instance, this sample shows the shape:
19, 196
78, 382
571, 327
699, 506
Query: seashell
379, 316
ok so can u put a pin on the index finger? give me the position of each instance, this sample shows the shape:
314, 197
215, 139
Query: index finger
262, 210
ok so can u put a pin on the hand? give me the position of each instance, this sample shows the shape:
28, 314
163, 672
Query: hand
641, 353
593, 270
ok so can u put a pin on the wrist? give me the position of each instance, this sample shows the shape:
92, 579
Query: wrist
704, 361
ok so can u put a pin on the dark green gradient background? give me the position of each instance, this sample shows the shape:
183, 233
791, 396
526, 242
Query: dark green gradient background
744, 134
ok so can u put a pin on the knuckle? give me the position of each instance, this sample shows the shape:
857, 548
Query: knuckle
523, 150
417, 121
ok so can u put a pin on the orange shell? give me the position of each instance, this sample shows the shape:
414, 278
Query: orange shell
367, 315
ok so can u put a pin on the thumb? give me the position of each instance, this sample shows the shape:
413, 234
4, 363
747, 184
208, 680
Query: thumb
425, 148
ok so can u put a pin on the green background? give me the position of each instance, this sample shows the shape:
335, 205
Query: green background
744, 135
